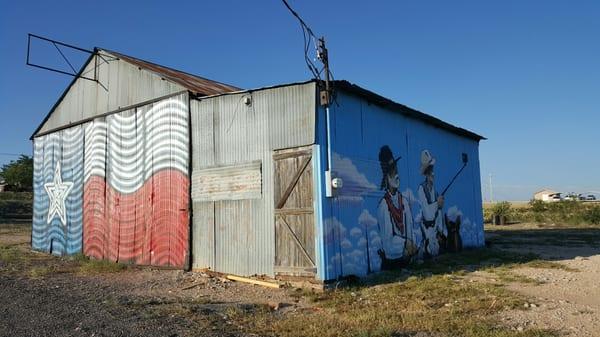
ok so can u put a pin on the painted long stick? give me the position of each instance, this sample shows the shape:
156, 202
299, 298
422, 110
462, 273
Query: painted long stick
465, 160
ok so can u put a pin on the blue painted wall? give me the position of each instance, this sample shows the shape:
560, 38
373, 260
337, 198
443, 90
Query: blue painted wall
361, 234
58, 166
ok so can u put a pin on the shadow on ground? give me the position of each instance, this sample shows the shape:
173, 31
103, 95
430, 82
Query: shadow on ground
551, 244
506, 247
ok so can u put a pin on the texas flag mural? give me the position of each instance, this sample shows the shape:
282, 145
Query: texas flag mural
58, 192
123, 182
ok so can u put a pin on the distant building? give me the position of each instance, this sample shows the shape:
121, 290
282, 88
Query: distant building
2, 186
547, 195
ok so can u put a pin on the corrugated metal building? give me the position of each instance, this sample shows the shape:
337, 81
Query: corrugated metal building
155, 166
111, 163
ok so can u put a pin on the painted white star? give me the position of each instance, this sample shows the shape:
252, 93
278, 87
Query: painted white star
57, 192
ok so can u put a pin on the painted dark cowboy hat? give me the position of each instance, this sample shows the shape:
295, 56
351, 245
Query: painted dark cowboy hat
387, 161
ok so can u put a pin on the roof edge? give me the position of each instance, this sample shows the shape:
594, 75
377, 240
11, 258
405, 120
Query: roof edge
405, 110
141, 65
242, 91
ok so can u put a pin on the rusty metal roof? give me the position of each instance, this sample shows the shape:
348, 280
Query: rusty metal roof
196, 84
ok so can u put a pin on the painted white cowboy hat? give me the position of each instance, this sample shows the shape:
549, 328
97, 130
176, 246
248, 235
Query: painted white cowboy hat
426, 160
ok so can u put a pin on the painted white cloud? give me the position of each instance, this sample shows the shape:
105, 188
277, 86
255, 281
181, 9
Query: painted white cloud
362, 242
356, 232
351, 269
366, 219
374, 239
453, 213
336, 258
346, 244
356, 254
334, 230
355, 184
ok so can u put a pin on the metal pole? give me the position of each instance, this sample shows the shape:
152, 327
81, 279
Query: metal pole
323, 55
491, 193
61, 43
325, 100
328, 123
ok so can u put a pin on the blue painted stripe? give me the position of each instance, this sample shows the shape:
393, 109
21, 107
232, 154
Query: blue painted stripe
65, 146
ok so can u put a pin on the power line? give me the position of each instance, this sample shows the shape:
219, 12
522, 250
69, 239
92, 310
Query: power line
309, 37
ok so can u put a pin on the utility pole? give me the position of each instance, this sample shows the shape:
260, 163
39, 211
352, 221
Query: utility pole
325, 101
491, 191
324, 57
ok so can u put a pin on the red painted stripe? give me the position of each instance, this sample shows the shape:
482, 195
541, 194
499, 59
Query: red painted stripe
149, 226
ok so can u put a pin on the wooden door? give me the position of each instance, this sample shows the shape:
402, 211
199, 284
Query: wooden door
294, 218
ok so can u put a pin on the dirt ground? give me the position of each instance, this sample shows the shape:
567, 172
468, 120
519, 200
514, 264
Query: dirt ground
567, 300
43, 295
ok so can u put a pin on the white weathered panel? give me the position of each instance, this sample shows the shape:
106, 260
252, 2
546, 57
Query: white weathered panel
121, 84
235, 182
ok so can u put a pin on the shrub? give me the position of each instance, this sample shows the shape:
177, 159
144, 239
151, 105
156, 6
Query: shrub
592, 215
26, 196
566, 207
501, 208
537, 205
561, 212
18, 174
487, 215
8, 207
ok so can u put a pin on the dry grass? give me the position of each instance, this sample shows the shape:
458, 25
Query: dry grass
20, 259
85, 265
9, 255
435, 298
438, 305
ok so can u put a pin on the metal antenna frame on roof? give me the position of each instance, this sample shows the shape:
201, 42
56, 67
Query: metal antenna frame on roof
75, 74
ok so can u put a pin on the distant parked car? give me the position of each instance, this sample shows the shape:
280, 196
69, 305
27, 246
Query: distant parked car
591, 197
555, 197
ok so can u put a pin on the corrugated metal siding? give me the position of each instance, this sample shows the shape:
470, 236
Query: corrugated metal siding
129, 176
127, 85
58, 164
139, 159
226, 132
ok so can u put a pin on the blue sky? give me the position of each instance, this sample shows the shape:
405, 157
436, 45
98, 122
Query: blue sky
525, 74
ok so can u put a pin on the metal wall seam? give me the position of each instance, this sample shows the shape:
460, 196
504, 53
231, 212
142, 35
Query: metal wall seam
190, 207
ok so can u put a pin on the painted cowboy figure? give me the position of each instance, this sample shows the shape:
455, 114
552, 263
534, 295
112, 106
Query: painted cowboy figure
394, 216
432, 223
